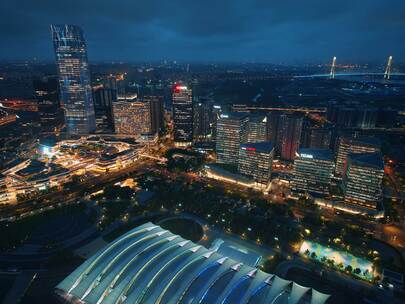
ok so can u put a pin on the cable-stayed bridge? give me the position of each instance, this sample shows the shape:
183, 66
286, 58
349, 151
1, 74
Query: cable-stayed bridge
387, 74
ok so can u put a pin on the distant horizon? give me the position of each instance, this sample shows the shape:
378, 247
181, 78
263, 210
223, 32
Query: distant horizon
289, 32
198, 62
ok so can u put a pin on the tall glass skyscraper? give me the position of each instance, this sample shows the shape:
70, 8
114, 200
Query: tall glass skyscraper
182, 115
231, 133
74, 79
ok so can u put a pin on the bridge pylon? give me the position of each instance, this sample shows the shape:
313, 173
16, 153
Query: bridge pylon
332, 73
387, 74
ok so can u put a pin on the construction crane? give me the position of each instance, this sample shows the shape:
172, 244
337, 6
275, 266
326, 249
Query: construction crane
387, 74
333, 69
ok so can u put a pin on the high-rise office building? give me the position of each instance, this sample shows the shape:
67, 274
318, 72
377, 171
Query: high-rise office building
202, 120
316, 137
215, 114
289, 135
349, 145
320, 138
313, 169
255, 160
103, 104
231, 133
182, 115
367, 117
46, 94
387, 117
156, 112
110, 82
74, 79
273, 119
352, 115
362, 182
131, 117
257, 128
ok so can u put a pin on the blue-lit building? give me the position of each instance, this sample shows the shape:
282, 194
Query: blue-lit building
74, 79
151, 265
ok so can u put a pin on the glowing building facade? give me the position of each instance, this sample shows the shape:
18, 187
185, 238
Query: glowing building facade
257, 128
362, 182
74, 79
231, 133
313, 169
132, 117
255, 160
349, 145
182, 115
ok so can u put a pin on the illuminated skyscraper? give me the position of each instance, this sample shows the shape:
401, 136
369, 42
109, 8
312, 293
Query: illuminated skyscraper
257, 128
362, 181
349, 145
255, 160
182, 115
231, 133
313, 169
131, 117
215, 114
74, 79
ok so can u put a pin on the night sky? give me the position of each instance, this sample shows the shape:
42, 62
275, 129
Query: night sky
282, 31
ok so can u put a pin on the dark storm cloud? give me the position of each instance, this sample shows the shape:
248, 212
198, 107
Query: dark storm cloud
262, 30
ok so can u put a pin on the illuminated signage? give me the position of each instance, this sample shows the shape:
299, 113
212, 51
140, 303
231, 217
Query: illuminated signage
304, 155
178, 88
224, 116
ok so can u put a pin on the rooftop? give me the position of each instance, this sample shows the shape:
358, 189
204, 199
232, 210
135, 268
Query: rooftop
365, 140
374, 160
233, 115
149, 264
322, 154
264, 146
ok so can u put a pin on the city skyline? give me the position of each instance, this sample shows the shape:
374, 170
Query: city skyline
291, 32
202, 152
